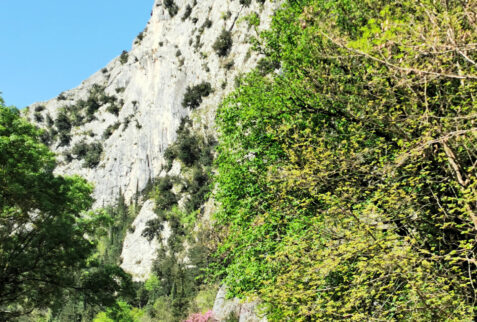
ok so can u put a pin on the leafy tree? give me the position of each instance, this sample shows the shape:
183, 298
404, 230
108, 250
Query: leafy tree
347, 181
121, 313
44, 254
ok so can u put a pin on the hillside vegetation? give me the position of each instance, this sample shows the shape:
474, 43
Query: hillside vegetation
347, 177
344, 179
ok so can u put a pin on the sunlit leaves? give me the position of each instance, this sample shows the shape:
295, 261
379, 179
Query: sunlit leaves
346, 181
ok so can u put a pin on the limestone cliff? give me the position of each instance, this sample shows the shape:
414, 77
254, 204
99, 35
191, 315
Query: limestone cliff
113, 129
145, 88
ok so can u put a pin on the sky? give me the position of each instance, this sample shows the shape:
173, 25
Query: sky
47, 47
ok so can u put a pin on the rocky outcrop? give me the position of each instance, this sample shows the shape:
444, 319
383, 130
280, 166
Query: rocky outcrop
138, 253
225, 309
148, 85
113, 129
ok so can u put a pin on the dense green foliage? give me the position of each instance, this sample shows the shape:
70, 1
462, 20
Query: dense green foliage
109, 241
179, 287
193, 95
44, 254
347, 181
223, 43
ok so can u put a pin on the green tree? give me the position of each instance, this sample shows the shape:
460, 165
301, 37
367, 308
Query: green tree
347, 180
44, 254
121, 313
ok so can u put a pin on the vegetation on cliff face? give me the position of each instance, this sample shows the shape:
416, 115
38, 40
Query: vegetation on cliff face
177, 286
347, 180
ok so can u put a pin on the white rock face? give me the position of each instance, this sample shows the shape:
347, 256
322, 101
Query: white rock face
138, 253
225, 308
172, 55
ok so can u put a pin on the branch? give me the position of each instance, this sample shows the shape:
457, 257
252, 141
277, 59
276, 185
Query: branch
387, 63
404, 157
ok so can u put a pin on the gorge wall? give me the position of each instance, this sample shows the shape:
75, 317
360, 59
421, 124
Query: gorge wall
139, 94
114, 127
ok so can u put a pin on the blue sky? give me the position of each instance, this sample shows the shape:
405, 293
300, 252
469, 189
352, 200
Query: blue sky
50, 46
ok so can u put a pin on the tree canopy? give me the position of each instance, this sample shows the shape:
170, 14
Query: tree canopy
44, 251
347, 180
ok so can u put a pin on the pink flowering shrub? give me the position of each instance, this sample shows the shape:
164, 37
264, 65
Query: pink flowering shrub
201, 317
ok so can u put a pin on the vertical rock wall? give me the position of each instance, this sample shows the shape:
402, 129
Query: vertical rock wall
171, 54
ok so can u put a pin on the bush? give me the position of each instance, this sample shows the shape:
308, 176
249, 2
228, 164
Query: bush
226, 15
92, 106
154, 227
123, 59
64, 139
187, 12
201, 317
164, 197
229, 65
207, 23
169, 154
49, 120
122, 311
80, 149
267, 65
194, 94
223, 43
126, 122
110, 130
90, 153
62, 122
188, 150
164, 184
93, 155
39, 108
45, 137
113, 109
246, 3
38, 117
171, 7
198, 188
139, 37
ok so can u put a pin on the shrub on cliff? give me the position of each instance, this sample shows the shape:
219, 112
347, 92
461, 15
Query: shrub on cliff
193, 96
223, 43
171, 7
